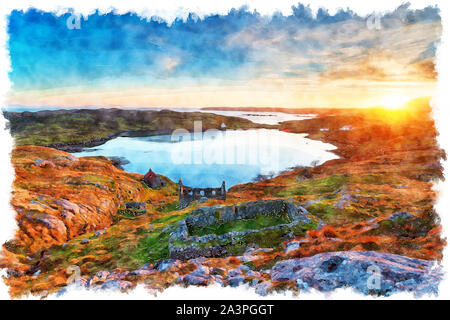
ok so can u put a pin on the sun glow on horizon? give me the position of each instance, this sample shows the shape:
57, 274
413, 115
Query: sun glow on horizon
394, 101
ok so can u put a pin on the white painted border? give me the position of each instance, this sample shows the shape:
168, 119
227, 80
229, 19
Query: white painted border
169, 9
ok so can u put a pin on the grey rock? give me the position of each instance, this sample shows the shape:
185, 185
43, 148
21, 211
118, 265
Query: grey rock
236, 281
291, 246
361, 271
244, 268
116, 285
164, 265
118, 162
195, 280
61, 292
262, 287
219, 281
16, 273
253, 274
400, 215
218, 271
234, 272
302, 285
201, 271
135, 205
99, 233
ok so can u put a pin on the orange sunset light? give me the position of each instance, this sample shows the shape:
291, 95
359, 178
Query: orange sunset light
394, 101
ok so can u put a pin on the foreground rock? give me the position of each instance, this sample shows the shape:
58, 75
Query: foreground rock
367, 272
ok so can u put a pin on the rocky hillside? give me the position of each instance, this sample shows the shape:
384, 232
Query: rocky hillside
58, 196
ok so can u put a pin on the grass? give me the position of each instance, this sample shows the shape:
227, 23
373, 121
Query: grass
170, 218
269, 238
316, 186
153, 247
330, 214
170, 207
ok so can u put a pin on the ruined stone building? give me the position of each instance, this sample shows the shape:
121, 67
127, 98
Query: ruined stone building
187, 194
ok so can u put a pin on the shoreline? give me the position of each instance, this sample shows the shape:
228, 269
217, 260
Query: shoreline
73, 147
301, 161
73, 130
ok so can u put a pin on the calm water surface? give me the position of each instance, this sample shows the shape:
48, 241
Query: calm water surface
204, 160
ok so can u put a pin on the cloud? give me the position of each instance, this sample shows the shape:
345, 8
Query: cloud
425, 69
240, 48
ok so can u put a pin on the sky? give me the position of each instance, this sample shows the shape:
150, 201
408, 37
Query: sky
303, 59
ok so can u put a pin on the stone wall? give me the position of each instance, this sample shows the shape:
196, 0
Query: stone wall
184, 246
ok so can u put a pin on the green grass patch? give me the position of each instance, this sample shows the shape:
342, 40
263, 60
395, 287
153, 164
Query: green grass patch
266, 238
330, 214
170, 207
316, 186
375, 178
153, 247
170, 218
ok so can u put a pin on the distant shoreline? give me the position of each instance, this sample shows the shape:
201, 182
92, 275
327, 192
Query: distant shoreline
21, 109
77, 129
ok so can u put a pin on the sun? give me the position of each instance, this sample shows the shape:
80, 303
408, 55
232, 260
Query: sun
394, 101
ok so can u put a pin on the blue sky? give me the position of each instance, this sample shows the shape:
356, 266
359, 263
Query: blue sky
242, 58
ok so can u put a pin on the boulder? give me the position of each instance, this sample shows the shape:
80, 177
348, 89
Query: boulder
292, 246
401, 215
236, 281
118, 162
195, 280
135, 205
116, 285
367, 272
166, 264
44, 164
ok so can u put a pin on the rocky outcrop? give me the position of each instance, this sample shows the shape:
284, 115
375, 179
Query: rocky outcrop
58, 196
367, 272
119, 162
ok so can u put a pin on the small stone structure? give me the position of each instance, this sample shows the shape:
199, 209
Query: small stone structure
133, 208
187, 194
